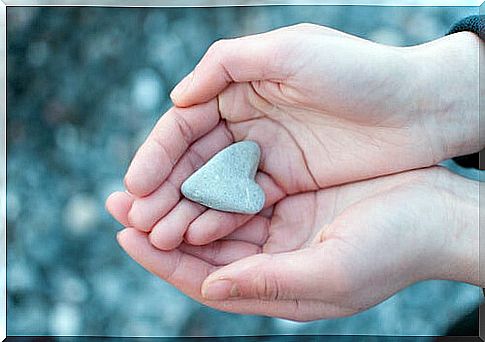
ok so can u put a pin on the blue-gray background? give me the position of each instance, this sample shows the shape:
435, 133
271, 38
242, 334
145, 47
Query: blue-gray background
85, 85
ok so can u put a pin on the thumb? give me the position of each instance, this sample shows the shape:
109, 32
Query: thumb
243, 59
310, 273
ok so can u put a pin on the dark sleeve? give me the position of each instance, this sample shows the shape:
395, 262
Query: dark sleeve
475, 24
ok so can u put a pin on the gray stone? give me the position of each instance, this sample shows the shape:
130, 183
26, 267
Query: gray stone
226, 181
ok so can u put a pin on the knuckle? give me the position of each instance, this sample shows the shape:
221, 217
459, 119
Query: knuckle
195, 158
267, 285
186, 131
265, 289
217, 46
157, 142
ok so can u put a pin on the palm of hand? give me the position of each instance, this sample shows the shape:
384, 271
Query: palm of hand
306, 149
355, 249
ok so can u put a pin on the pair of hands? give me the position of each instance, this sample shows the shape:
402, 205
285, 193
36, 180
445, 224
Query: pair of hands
327, 109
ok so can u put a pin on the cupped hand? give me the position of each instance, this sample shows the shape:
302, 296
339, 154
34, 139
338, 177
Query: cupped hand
331, 252
325, 107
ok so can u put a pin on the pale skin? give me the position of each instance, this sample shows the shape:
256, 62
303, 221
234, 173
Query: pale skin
331, 113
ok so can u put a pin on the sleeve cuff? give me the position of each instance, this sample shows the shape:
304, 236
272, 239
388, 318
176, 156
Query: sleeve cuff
474, 23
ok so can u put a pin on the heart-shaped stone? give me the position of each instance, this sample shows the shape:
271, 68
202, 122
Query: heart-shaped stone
226, 181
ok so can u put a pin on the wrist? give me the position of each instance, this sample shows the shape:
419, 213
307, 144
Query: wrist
446, 86
458, 250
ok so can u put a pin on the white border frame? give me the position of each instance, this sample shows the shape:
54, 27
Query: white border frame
3, 172
230, 3
141, 3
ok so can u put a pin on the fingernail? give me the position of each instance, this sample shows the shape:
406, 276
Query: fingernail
220, 289
181, 87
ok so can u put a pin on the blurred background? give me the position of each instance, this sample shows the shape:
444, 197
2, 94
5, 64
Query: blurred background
85, 86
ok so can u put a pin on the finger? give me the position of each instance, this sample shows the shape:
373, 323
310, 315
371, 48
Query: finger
146, 211
251, 58
169, 232
310, 273
187, 273
118, 204
221, 252
179, 269
297, 310
240, 102
254, 231
213, 224
173, 134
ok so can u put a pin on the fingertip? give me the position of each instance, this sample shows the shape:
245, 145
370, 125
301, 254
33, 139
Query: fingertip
136, 219
133, 242
177, 100
213, 225
108, 202
220, 285
119, 196
118, 204
123, 236
127, 182
153, 240
164, 243
148, 169
184, 100
133, 186
177, 94
194, 237
130, 186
